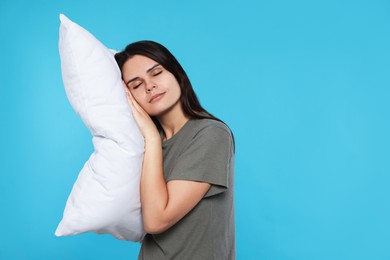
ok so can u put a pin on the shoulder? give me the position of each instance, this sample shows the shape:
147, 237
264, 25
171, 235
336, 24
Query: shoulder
210, 126
212, 133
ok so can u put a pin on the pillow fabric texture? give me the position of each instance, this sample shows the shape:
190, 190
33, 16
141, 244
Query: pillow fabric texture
105, 197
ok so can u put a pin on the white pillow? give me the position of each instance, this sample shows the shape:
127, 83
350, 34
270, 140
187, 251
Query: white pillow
105, 197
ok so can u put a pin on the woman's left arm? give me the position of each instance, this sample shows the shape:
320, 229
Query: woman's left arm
164, 204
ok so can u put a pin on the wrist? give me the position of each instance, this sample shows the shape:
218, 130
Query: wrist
152, 138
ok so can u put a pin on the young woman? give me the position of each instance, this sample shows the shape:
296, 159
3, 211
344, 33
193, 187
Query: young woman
187, 174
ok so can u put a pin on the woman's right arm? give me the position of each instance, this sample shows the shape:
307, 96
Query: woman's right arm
163, 204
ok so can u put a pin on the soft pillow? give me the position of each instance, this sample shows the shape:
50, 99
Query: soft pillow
105, 197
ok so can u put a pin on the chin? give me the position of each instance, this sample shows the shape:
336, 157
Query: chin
155, 113
163, 109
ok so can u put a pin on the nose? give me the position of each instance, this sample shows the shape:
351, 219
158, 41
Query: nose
150, 87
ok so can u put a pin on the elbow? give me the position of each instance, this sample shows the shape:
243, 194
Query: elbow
155, 227
152, 230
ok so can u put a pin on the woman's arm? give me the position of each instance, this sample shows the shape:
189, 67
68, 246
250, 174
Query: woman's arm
163, 204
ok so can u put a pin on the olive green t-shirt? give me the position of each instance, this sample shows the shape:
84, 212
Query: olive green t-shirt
203, 150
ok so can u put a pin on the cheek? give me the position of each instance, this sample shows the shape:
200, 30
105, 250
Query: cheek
178, 90
139, 97
175, 86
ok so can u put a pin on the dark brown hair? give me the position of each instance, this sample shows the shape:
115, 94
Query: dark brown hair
160, 54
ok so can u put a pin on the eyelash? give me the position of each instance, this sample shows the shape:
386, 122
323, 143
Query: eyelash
136, 86
155, 74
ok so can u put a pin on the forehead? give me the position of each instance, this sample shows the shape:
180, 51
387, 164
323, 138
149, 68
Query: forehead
137, 64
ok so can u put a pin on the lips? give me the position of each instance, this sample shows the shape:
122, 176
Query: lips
156, 97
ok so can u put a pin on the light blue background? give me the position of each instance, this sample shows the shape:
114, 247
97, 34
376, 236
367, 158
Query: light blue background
304, 85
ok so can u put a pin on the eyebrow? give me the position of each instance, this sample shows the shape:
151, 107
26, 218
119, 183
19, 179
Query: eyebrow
150, 69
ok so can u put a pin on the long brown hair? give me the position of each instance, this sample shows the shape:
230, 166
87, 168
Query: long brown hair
160, 54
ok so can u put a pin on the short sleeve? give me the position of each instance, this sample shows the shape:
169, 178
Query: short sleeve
206, 159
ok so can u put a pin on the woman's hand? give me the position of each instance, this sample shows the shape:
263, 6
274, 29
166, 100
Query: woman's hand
143, 120
163, 204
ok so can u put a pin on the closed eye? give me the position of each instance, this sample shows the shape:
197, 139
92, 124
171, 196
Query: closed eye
156, 72
136, 84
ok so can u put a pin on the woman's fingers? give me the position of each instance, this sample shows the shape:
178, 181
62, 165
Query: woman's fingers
133, 103
127, 91
142, 118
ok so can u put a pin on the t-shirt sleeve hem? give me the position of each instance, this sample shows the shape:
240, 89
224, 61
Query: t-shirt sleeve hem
216, 187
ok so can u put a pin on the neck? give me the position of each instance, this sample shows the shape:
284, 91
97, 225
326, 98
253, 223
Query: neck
172, 122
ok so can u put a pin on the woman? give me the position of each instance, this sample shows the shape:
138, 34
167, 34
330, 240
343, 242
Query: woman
187, 173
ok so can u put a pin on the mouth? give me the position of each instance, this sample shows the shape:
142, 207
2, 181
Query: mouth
156, 97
